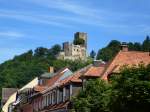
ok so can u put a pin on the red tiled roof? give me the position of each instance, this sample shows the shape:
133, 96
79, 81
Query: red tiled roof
49, 82
52, 80
73, 78
95, 71
91, 71
39, 88
57, 106
126, 58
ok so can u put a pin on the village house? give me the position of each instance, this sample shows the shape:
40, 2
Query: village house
55, 90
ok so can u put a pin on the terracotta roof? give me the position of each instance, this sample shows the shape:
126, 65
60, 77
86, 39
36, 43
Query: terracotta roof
126, 58
57, 106
39, 88
55, 80
90, 71
57, 75
95, 71
73, 78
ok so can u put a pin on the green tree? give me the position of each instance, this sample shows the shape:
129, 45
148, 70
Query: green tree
137, 46
55, 49
131, 90
93, 54
79, 41
109, 51
105, 54
40, 52
146, 44
94, 98
131, 46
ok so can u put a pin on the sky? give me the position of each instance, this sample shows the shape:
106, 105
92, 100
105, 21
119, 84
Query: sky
28, 24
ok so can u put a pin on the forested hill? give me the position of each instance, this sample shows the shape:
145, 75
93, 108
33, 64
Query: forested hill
23, 68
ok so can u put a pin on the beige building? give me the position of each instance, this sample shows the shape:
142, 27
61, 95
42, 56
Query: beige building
72, 51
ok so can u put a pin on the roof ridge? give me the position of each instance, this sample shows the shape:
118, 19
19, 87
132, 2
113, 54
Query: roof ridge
137, 51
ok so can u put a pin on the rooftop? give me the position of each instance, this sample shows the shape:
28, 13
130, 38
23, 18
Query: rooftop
129, 58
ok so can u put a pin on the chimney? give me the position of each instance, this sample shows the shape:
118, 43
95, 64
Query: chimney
124, 47
51, 69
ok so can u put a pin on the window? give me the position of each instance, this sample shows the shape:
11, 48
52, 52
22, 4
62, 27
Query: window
49, 99
60, 95
67, 93
54, 97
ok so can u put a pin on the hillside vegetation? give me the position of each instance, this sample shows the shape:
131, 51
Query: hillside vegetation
23, 68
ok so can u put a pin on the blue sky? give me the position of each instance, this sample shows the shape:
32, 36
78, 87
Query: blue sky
27, 24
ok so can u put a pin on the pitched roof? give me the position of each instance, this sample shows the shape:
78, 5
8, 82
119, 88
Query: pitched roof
39, 88
73, 78
57, 76
89, 71
126, 58
60, 75
57, 106
95, 71
7, 92
47, 75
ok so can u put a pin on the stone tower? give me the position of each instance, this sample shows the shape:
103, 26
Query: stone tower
66, 49
83, 36
75, 50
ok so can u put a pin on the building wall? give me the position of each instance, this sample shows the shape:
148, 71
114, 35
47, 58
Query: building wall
76, 88
59, 110
37, 103
27, 108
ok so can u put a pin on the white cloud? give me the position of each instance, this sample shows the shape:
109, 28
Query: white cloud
12, 34
79, 13
31, 17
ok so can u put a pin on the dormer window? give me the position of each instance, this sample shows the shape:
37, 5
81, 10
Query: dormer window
40, 81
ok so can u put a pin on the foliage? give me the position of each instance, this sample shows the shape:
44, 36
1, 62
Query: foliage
146, 44
94, 98
125, 92
23, 68
93, 54
131, 90
108, 52
79, 41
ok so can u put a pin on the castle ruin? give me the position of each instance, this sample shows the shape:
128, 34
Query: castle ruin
75, 50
